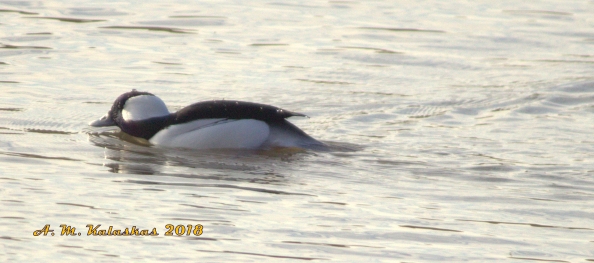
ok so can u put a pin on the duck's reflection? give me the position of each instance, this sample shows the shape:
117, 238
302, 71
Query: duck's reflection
129, 155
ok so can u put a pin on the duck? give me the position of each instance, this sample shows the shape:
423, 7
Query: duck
215, 124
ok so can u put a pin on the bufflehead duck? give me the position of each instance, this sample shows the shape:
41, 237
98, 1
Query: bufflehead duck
216, 124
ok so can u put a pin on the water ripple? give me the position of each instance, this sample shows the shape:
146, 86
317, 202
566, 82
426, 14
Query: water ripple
69, 19
393, 29
260, 255
17, 11
153, 28
254, 189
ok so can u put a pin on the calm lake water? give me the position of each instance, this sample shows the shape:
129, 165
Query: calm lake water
460, 131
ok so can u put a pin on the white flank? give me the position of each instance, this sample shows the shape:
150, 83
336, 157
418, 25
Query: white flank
214, 134
143, 107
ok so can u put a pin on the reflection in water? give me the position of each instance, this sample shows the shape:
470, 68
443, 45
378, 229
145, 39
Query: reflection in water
135, 156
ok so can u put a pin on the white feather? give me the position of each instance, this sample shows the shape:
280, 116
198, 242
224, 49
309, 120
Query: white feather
144, 107
214, 133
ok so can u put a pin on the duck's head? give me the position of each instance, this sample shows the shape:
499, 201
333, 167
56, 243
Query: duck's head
130, 107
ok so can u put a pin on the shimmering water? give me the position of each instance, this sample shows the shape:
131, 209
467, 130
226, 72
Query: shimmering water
462, 131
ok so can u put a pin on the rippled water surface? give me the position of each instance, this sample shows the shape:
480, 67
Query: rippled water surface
461, 131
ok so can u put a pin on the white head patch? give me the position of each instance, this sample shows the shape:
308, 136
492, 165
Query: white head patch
143, 107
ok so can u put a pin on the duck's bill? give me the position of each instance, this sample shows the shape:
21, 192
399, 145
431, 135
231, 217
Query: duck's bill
104, 121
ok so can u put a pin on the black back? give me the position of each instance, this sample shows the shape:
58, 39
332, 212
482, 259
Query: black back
216, 109
231, 109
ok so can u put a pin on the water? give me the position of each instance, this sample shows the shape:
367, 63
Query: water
461, 131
